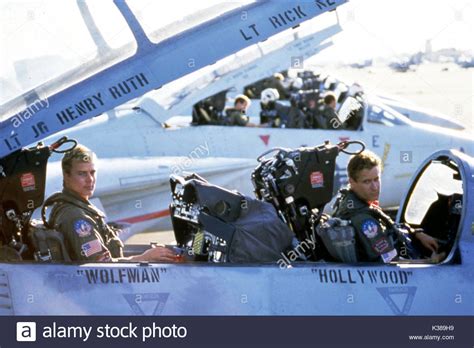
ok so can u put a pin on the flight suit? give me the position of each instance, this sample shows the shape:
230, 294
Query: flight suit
329, 119
376, 238
87, 236
235, 117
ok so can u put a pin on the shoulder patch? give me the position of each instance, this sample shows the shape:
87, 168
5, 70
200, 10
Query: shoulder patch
91, 248
370, 228
82, 228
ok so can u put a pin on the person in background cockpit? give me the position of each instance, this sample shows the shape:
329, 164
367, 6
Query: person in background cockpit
329, 119
236, 116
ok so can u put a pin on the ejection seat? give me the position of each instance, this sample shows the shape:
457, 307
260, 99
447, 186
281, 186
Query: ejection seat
441, 221
209, 110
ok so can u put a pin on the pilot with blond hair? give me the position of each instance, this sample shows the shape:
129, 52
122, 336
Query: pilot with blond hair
237, 116
87, 236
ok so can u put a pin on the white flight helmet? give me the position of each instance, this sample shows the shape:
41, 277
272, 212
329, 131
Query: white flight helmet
269, 95
298, 83
355, 89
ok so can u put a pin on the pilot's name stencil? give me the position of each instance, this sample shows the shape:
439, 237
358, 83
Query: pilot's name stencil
361, 276
288, 16
278, 20
129, 85
323, 4
122, 275
97, 100
80, 108
284, 18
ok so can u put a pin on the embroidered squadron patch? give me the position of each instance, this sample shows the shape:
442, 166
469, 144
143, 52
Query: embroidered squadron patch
370, 228
82, 228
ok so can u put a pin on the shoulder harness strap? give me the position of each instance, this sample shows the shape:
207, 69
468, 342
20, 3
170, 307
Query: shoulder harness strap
375, 212
61, 198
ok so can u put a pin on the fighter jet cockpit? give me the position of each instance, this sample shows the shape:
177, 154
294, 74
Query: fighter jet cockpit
382, 114
289, 99
214, 224
292, 187
210, 110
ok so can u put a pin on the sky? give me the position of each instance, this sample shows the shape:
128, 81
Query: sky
371, 28
385, 28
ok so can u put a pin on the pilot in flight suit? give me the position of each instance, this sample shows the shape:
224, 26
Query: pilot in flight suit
87, 236
236, 116
329, 119
377, 237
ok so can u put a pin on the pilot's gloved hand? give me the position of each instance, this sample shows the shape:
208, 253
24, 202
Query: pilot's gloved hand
159, 254
427, 241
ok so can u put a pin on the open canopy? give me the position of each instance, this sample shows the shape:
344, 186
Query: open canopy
113, 63
49, 39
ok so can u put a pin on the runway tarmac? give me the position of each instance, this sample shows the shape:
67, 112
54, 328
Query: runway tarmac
442, 87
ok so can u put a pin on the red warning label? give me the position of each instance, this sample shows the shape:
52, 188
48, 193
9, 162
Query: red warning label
317, 179
28, 182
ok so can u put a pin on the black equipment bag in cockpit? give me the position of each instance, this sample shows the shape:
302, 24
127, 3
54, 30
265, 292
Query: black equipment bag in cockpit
48, 244
218, 225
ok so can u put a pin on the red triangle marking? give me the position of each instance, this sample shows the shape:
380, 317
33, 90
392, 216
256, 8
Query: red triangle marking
265, 139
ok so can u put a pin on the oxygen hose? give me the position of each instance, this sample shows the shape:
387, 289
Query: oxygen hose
262, 156
343, 145
64, 140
